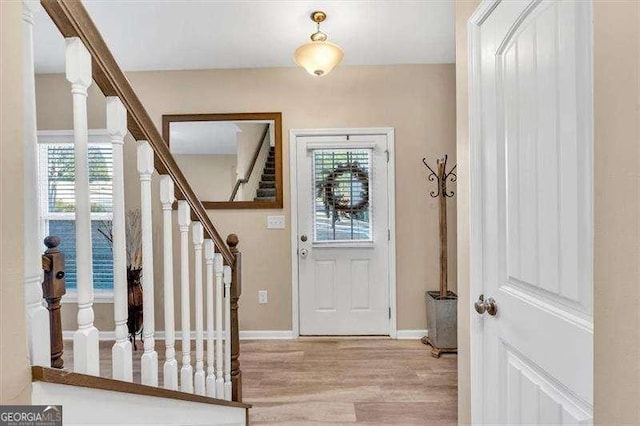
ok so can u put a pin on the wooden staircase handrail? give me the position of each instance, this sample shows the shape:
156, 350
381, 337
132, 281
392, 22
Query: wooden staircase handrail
247, 175
62, 377
73, 20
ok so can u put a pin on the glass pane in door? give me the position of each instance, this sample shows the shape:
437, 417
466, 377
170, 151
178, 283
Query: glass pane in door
342, 207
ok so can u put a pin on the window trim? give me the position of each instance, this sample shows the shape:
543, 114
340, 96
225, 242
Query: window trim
49, 137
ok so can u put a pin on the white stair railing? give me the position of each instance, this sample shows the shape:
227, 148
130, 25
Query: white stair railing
227, 333
37, 315
198, 240
186, 372
121, 355
209, 255
85, 339
219, 271
167, 198
149, 366
212, 293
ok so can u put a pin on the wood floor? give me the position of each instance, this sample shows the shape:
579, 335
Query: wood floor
340, 381
337, 381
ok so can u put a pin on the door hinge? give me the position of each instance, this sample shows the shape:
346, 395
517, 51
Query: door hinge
389, 312
388, 234
387, 152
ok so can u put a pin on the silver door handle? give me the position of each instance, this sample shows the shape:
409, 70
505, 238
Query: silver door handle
489, 305
304, 252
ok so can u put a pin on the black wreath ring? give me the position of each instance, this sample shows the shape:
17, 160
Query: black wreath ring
330, 184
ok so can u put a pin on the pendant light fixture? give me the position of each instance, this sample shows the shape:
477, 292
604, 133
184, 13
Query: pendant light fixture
318, 56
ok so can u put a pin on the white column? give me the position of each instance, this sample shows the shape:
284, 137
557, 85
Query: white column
198, 239
167, 197
37, 314
209, 254
149, 362
186, 372
227, 332
218, 267
85, 340
121, 356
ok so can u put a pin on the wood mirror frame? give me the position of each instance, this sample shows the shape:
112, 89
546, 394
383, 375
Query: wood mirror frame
167, 119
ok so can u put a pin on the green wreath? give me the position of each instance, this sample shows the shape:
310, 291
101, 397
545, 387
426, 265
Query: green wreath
340, 203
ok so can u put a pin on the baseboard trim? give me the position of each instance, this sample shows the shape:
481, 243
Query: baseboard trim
266, 334
411, 334
244, 335
248, 335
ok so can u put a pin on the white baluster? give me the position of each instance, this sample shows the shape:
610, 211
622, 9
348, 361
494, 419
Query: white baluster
186, 372
209, 255
227, 332
218, 266
167, 197
85, 340
149, 364
121, 355
198, 239
37, 315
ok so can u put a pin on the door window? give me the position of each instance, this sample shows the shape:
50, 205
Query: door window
342, 208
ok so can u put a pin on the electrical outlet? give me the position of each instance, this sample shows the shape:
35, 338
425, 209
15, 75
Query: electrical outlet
262, 297
275, 222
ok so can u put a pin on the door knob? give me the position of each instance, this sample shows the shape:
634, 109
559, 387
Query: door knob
303, 238
304, 252
489, 305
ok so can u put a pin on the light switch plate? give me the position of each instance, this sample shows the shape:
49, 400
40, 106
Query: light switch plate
275, 222
262, 297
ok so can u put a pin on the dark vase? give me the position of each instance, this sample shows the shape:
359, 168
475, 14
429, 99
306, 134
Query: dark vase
134, 293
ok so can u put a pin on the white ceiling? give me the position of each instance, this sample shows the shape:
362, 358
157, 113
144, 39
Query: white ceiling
162, 35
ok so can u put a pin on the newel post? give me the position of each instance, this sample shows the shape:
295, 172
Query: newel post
53, 288
236, 290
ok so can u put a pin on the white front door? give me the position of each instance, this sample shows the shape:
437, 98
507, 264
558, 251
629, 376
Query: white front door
343, 229
531, 139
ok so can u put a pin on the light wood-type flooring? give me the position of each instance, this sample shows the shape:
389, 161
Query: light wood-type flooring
340, 381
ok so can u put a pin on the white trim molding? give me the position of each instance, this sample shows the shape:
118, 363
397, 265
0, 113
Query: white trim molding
159, 335
389, 132
411, 334
257, 335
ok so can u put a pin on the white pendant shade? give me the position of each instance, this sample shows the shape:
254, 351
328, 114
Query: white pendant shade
318, 57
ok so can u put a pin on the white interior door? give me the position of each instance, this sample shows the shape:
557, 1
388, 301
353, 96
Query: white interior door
532, 363
343, 229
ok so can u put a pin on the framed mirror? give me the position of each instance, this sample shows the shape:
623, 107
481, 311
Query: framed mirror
232, 161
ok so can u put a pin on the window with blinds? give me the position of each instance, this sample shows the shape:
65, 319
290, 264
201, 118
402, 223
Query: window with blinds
342, 208
57, 179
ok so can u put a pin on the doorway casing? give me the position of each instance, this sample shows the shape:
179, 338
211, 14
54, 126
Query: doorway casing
294, 134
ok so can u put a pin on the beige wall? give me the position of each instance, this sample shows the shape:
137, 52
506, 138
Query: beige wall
463, 10
617, 210
417, 100
15, 375
211, 176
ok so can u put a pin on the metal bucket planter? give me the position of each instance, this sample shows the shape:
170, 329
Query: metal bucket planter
442, 323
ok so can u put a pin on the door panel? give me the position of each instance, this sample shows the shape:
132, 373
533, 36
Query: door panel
343, 214
533, 77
